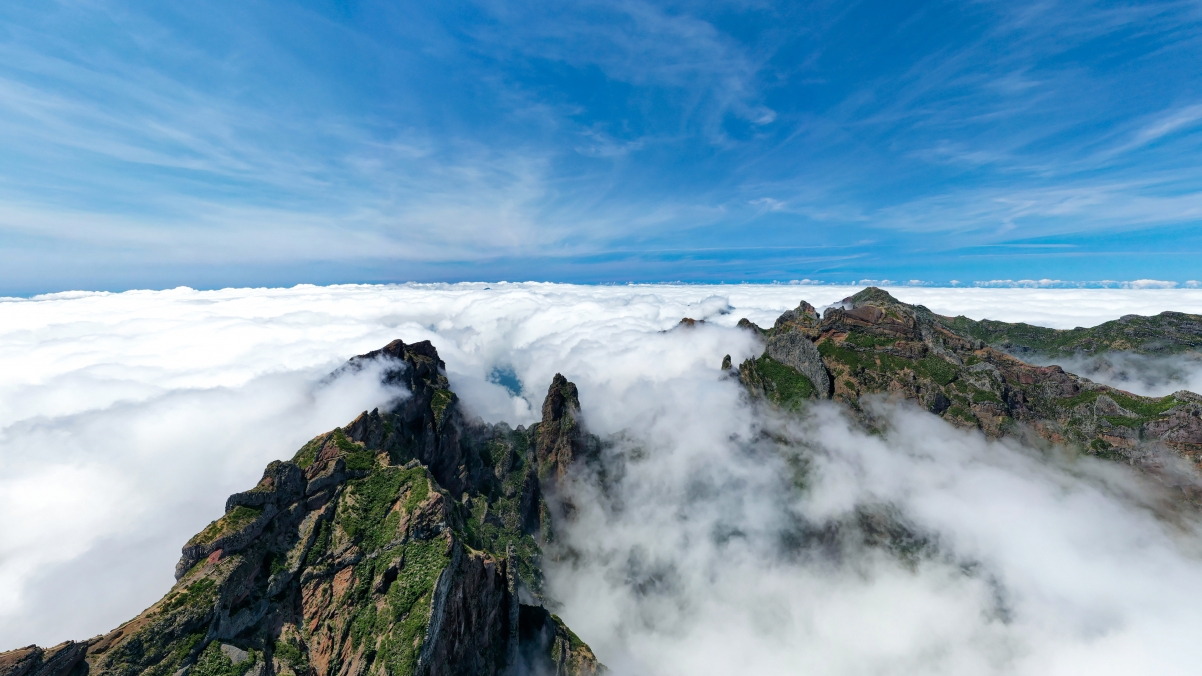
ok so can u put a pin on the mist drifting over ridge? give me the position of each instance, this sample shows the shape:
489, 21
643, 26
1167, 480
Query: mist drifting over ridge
703, 558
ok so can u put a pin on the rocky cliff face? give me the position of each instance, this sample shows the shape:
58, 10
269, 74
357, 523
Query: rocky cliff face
875, 345
406, 542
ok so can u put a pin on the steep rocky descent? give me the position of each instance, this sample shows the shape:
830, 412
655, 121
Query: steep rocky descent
407, 542
874, 344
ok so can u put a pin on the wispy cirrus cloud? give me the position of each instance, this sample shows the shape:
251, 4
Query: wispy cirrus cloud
388, 139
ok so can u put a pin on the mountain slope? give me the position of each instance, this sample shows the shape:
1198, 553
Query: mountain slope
406, 542
874, 344
1165, 333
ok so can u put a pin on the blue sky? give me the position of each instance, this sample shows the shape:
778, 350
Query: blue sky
149, 144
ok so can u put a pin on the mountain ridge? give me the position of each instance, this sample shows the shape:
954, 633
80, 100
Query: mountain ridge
873, 344
407, 542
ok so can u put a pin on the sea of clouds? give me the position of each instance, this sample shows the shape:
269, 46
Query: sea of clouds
730, 541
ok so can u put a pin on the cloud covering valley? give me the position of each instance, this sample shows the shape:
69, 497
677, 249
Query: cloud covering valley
730, 539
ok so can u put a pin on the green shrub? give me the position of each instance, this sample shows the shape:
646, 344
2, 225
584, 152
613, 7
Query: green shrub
308, 453
939, 370
357, 457
213, 662
408, 606
291, 655
320, 544
197, 593
962, 413
439, 403
982, 396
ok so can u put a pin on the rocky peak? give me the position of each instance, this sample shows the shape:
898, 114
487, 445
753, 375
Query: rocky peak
402, 543
562, 440
562, 401
804, 319
871, 296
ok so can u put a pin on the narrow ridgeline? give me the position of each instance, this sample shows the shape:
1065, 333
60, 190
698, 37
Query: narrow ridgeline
966, 372
407, 542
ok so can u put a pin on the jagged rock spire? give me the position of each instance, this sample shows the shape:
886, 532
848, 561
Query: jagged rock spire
561, 438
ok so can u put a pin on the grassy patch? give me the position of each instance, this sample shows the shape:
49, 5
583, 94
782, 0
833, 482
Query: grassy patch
786, 386
234, 520
419, 488
364, 625
1120, 421
358, 457
1145, 407
408, 604
308, 453
892, 364
1087, 397
365, 515
366, 505
198, 593
939, 370
983, 396
854, 360
439, 403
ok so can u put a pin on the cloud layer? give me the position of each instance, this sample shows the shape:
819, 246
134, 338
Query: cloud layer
707, 558
126, 419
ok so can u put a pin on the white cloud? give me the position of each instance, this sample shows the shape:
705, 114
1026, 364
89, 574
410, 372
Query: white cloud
1151, 376
1063, 284
1165, 124
710, 563
126, 419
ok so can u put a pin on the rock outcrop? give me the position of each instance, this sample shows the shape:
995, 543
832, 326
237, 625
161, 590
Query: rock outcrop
407, 542
64, 659
789, 346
